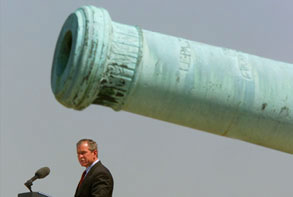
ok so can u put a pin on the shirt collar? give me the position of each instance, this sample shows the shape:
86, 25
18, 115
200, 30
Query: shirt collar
89, 168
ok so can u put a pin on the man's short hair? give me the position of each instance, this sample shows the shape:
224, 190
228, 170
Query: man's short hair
91, 143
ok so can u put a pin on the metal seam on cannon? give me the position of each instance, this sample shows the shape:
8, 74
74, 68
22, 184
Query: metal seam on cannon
123, 59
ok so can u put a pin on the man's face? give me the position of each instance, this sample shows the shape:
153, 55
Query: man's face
85, 156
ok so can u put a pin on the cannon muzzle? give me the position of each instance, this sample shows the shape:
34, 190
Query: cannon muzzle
213, 89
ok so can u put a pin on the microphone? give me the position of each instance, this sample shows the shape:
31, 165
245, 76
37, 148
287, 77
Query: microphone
40, 173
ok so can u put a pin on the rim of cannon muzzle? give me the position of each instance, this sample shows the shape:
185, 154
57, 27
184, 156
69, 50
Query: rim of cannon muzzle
80, 56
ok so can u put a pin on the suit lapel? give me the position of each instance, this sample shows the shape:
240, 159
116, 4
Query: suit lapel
86, 179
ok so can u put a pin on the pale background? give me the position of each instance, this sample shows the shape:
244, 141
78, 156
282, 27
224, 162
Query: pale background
147, 157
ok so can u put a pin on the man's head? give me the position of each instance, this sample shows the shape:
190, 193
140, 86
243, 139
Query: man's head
87, 152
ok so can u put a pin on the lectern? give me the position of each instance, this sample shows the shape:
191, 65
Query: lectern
32, 194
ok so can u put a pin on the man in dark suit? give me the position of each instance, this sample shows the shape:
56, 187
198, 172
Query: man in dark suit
96, 180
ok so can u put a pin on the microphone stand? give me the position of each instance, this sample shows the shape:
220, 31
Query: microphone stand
29, 183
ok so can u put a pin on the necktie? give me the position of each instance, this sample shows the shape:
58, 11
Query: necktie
81, 179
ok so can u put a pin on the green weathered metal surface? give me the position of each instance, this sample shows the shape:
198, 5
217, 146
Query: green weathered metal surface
209, 88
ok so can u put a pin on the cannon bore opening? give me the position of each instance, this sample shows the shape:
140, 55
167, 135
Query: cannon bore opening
64, 54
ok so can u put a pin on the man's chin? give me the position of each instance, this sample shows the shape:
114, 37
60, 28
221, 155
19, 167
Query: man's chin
83, 164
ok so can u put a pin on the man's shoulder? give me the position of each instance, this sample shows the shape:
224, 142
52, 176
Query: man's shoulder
100, 173
100, 168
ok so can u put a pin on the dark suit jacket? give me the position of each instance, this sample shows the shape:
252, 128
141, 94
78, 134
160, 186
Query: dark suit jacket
97, 183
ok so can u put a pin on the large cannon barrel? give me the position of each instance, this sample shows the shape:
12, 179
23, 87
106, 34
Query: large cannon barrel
213, 89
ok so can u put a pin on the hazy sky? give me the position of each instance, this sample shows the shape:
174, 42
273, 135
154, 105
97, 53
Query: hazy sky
147, 157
